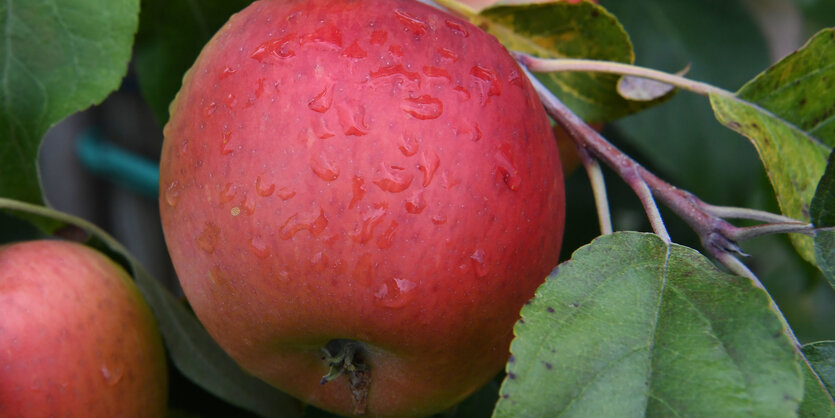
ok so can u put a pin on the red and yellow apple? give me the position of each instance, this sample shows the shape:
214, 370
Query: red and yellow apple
376, 175
76, 337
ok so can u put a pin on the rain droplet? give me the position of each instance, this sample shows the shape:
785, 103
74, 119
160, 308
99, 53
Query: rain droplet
226, 147
230, 101
365, 230
314, 222
172, 193
416, 203
429, 163
488, 82
258, 246
423, 107
396, 50
274, 49
386, 240
228, 193
112, 373
395, 293
398, 72
392, 179
323, 168
248, 205
507, 169
463, 93
319, 261
285, 193
321, 128
326, 34
412, 23
457, 28
474, 132
354, 51
227, 71
439, 219
408, 144
263, 191
322, 101
208, 239
479, 263
209, 109
448, 54
437, 72
379, 37
352, 119
358, 189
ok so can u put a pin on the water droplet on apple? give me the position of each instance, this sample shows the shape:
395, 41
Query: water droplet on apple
209, 109
395, 293
261, 190
226, 146
322, 102
412, 23
324, 168
327, 34
314, 222
112, 373
352, 119
364, 232
354, 51
228, 193
448, 54
395, 73
408, 144
479, 263
487, 81
463, 93
507, 169
416, 203
285, 193
423, 107
209, 238
321, 128
274, 50
358, 190
172, 193
429, 163
392, 179
457, 28
386, 239
439, 219
259, 247
437, 72
379, 37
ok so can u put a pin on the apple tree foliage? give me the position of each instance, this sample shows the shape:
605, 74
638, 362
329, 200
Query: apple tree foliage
628, 325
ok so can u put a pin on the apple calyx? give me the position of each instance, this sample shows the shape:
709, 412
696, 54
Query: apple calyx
345, 357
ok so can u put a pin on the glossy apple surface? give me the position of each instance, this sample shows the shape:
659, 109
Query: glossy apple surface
76, 337
374, 171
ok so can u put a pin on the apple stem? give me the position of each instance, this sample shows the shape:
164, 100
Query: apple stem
598, 186
718, 236
345, 357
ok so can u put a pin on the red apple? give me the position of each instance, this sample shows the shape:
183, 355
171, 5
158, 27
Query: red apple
374, 175
76, 337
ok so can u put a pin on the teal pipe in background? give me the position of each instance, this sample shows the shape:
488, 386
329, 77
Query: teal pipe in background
109, 161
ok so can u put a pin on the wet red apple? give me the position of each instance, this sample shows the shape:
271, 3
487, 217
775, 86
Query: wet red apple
372, 179
76, 337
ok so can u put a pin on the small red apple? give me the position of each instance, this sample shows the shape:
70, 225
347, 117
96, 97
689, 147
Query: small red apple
374, 178
76, 337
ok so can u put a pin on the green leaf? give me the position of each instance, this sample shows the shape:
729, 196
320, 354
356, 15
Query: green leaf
819, 380
632, 327
823, 215
564, 30
793, 160
171, 35
800, 89
788, 112
56, 57
191, 348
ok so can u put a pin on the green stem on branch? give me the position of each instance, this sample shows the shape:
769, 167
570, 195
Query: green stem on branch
598, 187
584, 65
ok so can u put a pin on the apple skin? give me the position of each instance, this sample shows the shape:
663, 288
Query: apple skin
371, 170
76, 337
